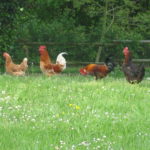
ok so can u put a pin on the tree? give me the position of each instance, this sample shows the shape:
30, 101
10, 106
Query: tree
75, 21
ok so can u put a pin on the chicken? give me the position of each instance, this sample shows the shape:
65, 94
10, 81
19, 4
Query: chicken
134, 73
98, 71
15, 69
46, 65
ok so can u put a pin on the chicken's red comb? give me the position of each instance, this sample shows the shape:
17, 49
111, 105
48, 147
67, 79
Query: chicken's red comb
42, 47
5, 54
125, 49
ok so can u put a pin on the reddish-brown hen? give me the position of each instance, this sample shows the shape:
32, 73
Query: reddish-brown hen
99, 71
46, 65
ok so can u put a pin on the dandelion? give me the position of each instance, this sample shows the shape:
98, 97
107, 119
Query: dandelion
70, 105
74, 106
77, 107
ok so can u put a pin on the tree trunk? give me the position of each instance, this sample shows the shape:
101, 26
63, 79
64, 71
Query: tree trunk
103, 34
25, 47
98, 54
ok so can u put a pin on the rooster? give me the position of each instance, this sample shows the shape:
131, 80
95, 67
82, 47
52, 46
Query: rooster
98, 71
15, 69
46, 65
133, 73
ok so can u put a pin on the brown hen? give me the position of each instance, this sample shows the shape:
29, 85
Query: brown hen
15, 69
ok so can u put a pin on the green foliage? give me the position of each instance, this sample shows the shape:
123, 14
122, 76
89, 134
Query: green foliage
74, 21
10, 20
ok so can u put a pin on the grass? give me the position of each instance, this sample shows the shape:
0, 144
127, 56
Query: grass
72, 112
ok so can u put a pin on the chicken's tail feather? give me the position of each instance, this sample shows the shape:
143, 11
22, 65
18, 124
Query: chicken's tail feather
110, 64
25, 59
24, 64
61, 60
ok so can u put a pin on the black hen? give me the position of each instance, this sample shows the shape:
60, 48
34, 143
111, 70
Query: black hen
133, 73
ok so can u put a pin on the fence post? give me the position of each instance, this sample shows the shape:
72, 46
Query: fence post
25, 47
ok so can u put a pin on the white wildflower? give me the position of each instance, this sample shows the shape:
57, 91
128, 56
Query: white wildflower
106, 113
7, 97
21, 9
3, 92
85, 143
73, 147
1, 99
62, 142
33, 120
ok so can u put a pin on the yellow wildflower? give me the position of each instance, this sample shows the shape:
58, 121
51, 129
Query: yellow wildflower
70, 105
77, 107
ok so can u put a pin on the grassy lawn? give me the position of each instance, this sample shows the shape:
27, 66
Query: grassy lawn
72, 112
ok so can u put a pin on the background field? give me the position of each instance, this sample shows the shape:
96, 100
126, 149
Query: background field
70, 111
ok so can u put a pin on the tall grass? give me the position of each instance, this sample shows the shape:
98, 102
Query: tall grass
72, 112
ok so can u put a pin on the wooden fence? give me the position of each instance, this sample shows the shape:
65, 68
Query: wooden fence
113, 42
146, 62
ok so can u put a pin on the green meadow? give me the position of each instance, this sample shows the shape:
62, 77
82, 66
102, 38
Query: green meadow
73, 112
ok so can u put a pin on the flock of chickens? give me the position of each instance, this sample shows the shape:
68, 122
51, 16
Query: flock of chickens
134, 73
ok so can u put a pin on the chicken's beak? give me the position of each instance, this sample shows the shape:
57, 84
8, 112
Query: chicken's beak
83, 71
4, 54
